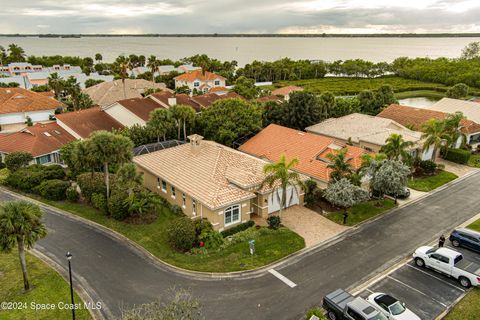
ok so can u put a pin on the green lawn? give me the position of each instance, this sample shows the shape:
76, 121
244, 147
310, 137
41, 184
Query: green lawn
351, 86
270, 246
427, 184
362, 211
468, 308
431, 94
474, 160
48, 288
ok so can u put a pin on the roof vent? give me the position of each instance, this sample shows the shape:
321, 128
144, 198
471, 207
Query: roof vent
47, 134
56, 131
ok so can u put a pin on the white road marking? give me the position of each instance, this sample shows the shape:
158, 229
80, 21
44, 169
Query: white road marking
366, 289
416, 290
431, 275
287, 281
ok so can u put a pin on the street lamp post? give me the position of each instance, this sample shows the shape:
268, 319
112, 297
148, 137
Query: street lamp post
69, 258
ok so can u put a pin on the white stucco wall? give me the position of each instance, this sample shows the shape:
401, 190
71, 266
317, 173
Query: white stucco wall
427, 154
123, 115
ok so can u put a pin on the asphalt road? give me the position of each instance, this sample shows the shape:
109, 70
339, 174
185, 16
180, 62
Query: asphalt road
120, 276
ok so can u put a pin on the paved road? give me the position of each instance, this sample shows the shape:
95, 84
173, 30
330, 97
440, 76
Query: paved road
120, 276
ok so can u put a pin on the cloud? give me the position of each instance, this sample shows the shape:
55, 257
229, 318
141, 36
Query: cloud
233, 16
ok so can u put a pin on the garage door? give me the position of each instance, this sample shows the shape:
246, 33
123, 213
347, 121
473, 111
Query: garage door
274, 203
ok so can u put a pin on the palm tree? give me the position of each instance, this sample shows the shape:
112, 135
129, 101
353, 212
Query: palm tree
15, 53
153, 65
20, 224
434, 135
279, 177
396, 148
56, 84
453, 129
339, 165
121, 66
98, 57
160, 123
182, 114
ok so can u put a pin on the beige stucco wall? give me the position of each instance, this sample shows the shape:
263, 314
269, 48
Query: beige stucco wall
124, 116
216, 217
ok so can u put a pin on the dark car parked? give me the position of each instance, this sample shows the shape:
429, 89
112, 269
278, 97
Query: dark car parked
466, 238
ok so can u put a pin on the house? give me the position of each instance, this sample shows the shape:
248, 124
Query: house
42, 141
209, 180
310, 149
18, 105
22, 68
470, 109
132, 111
369, 132
106, 93
80, 124
416, 117
285, 92
199, 80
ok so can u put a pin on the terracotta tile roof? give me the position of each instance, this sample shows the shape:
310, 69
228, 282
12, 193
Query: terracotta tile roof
416, 117
49, 94
196, 102
185, 99
269, 98
39, 139
213, 174
162, 96
206, 100
13, 100
218, 89
106, 93
286, 90
141, 107
84, 122
198, 75
310, 149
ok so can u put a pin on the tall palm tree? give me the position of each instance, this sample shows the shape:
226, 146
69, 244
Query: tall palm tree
183, 115
396, 148
153, 65
16, 53
279, 177
160, 123
56, 84
434, 135
21, 225
121, 66
453, 129
339, 165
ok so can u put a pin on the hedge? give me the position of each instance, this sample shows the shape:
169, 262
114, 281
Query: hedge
53, 189
27, 179
181, 234
458, 156
236, 229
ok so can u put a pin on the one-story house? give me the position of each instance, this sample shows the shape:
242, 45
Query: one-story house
416, 117
369, 132
285, 92
17, 105
42, 141
212, 181
310, 149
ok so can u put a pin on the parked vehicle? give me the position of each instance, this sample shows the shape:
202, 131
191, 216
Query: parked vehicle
341, 305
449, 262
467, 238
402, 195
391, 307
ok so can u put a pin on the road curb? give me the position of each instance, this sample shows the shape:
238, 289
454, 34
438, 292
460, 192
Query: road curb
79, 287
248, 274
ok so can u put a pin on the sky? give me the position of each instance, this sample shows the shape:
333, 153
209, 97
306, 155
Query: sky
243, 16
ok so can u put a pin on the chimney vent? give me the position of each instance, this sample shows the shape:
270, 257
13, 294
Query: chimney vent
195, 141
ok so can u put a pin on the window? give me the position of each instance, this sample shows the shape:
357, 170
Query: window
439, 257
158, 183
232, 214
172, 188
354, 315
164, 186
44, 159
196, 84
194, 207
184, 200
217, 82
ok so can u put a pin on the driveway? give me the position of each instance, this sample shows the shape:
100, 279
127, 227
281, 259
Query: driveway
313, 227
119, 275
458, 169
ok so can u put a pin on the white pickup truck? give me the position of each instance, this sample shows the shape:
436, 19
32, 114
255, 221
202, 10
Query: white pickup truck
449, 262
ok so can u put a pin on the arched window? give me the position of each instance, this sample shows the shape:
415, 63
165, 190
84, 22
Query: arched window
232, 214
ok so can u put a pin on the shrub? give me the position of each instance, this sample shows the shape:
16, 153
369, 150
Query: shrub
201, 225
117, 207
310, 192
458, 156
53, 189
181, 234
211, 239
4, 173
274, 222
17, 160
99, 201
315, 312
177, 210
428, 166
72, 194
2, 165
238, 228
90, 184
54, 171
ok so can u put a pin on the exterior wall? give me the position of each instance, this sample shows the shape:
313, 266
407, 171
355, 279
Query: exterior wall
37, 116
190, 84
21, 117
369, 146
260, 204
216, 217
427, 154
124, 116
474, 140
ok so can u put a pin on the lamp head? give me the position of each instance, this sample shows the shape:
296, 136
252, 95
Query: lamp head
69, 256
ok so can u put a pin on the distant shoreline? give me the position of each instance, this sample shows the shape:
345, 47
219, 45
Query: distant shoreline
379, 35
